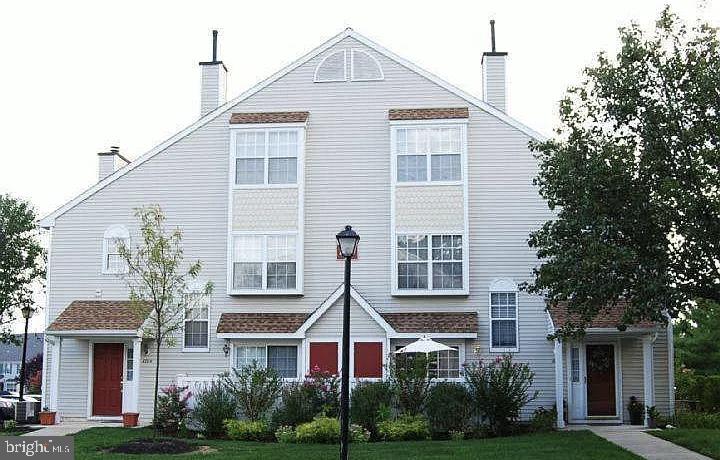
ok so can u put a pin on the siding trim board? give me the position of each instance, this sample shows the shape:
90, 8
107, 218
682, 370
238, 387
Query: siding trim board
49, 220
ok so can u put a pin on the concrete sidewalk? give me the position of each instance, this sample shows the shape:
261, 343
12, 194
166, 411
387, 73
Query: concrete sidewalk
637, 441
68, 428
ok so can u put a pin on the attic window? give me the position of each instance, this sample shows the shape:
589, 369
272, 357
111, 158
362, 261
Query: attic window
365, 67
332, 68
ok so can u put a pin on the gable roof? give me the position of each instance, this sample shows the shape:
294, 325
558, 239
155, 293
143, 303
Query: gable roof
49, 220
98, 315
608, 318
433, 322
250, 323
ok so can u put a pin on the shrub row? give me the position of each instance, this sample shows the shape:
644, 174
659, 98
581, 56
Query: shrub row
702, 391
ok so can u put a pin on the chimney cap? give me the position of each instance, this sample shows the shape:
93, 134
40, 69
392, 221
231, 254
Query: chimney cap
114, 150
493, 51
214, 60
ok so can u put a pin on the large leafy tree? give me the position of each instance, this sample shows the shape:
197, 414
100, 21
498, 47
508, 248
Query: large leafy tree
22, 261
697, 339
162, 285
632, 176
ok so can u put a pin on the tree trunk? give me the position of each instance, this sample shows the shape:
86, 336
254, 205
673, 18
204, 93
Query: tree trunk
156, 427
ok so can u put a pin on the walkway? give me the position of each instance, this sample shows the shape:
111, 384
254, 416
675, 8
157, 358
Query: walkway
67, 428
637, 441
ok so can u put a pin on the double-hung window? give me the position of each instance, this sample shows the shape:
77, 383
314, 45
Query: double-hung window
196, 328
264, 263
440, 365
113, 262
430, 262
428, 153
281, 358
266, 156
503, 321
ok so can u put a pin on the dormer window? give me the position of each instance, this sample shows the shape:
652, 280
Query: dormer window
112, 261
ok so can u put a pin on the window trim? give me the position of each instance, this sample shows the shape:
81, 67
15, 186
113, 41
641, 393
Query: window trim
461, 124
504, 285
397, 291
113, 232
264, 291
258, 344
299, 128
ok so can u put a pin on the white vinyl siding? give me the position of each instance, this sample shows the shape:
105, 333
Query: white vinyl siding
265, 263
429, 262
266, 156
428, 153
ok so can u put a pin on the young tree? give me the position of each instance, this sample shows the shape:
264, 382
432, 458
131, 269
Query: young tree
22, 260
162, 287
697, 339
633, 179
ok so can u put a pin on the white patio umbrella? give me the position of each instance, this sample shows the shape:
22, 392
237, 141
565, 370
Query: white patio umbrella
424, 345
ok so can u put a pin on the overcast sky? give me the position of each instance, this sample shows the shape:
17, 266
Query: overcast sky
78, 77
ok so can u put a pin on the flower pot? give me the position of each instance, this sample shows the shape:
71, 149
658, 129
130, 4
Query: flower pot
47, 417
130, 419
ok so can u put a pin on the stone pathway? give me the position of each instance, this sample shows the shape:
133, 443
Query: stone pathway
637, 441
67, 428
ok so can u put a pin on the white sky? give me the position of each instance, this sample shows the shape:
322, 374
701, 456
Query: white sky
77, 77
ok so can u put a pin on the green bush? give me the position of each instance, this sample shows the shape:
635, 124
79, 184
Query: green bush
285, 434
172, 409
367, 401
448, 408
358, 433
324, 389
543, 419
321, 430
298, 404
701, 391
247, 430
688, 419
255, 388
408, 377
213, 405
405, 428
499, 390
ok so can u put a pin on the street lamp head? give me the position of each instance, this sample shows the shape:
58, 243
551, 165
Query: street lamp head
347, 241
27, 311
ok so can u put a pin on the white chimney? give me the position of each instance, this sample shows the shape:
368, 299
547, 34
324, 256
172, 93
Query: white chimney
214, 76
494, 75
109, 162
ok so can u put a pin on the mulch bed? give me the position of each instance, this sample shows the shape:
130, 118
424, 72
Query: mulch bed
154, 446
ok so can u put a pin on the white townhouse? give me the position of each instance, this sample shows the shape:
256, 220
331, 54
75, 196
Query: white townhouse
438, 183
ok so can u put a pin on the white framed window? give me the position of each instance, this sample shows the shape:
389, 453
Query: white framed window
282, 358
196, 329
266, 156
112, 261
428, 153
129, 360
332, 68
444, 365
265, 263
503, 316
430, 262
575, 365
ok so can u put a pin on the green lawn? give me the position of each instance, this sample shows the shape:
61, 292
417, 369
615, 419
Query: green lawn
90, 444
705, 441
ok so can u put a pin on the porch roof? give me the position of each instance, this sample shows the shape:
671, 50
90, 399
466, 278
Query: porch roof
100, 316
433, 322
608, 318
273, 323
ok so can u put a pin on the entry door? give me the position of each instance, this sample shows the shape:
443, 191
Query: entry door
576, 367
324, 355
107, 379
600, 361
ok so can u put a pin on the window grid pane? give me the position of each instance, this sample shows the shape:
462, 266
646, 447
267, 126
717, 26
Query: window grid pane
283, 360
447, 261
250, 144
278, 148
503, 333
129, 374
282, 170
245, 356
281, 275
247, 275
575, 364
445, 167
249, 170
411, 168
196, 334
445, 364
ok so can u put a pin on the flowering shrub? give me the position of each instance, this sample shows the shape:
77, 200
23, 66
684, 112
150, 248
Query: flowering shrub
324, 389
172, 409
408, 377
499, 390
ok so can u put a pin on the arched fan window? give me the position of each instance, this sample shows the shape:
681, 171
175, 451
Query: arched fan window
365, 67
332, 68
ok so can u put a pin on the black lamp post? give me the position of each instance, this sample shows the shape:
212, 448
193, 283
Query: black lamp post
347, 243
27, 312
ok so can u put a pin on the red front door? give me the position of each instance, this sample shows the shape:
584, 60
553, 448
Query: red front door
107, 379
324, 355
600, 361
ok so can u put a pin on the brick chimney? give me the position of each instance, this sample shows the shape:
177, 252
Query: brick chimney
494, 75
109, 162
214, 76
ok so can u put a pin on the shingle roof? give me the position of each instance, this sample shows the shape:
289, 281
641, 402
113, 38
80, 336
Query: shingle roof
432, 322
269, 117
428, 114
260, 322
609, 317
91, 315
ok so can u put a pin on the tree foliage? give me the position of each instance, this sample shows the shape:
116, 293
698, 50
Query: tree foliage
22, 260
162, 286
632, 177
697, 339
